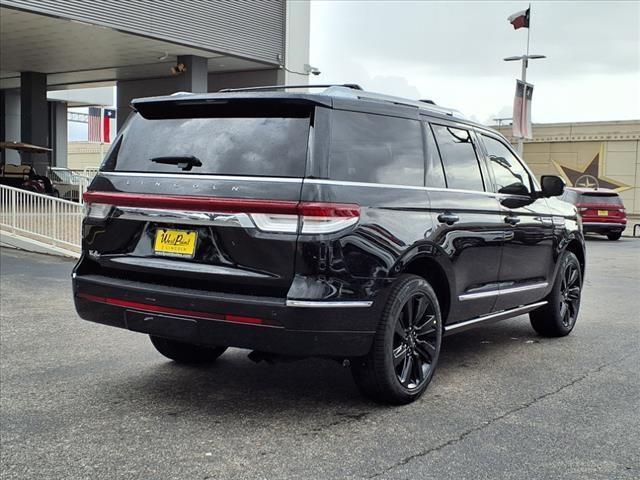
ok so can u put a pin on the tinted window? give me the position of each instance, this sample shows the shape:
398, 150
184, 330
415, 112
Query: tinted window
509, 174
600, 199
376, 149
569, 196
461, 166
435, 173
271, 146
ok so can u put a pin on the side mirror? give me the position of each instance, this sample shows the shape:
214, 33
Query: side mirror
516, 188
552, 185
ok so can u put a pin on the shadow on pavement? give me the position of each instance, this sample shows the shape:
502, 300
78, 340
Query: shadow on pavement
234, 386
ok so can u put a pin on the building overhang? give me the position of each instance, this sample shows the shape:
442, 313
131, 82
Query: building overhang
74, 54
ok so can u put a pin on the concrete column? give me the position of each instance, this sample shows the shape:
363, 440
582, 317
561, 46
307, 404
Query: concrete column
195, 78
34, 117
59, 138
297, 18
11, 123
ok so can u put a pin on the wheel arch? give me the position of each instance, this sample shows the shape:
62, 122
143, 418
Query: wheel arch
433, 272
575, 247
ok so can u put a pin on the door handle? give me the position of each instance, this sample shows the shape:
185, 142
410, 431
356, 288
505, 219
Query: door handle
448, 218
511, 219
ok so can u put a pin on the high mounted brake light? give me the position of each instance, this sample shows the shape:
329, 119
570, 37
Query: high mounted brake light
277, 216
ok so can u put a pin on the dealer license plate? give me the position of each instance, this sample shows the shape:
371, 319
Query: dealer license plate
176, 243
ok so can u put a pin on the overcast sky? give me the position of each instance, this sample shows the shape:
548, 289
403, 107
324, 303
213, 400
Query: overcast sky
452, 53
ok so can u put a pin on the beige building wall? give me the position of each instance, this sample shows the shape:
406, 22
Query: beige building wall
81, 155
613, 146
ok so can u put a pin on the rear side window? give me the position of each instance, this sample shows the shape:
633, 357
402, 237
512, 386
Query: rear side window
435, 173
600, 199
268, 146
461, 166
375, 149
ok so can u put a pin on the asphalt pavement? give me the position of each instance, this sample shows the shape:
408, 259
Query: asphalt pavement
86, 401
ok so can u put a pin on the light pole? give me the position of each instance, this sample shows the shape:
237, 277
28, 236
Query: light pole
525, 63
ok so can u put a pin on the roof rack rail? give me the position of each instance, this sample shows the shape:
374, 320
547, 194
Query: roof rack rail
352, 86
380, 97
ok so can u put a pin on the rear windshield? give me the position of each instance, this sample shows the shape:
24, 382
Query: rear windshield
600, 199
266, 146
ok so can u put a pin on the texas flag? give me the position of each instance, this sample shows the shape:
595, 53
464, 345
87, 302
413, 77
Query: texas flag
520, 19
108, 125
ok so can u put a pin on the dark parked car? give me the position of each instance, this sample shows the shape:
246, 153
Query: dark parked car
342, 224
601, 209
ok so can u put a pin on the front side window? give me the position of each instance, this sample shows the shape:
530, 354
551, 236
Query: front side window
509, 174
461, 166
375, 149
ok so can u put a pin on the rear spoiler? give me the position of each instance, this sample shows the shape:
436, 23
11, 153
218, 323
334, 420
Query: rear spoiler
229, 104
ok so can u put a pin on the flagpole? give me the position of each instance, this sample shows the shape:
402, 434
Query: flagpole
101, 133
525, 63
529, 30
523, 77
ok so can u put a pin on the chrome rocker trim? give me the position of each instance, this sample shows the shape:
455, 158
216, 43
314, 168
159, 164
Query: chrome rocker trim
323, 304
492, 317
506, 291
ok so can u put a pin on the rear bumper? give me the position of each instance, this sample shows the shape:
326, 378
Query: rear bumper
603, 227
257, 323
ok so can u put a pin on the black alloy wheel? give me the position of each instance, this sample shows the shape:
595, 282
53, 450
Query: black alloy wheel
406, 345
558, 317
415, 341
570, 294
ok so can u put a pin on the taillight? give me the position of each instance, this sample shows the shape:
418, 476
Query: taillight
311, 218
276, 216
327, 217
97, 211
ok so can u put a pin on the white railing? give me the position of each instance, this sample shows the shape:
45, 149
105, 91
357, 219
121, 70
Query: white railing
90, 172
41, 218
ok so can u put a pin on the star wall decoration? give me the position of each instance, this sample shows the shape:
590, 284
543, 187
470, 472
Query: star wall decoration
590, 176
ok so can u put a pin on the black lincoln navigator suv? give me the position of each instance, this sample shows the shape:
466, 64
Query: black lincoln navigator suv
342, 224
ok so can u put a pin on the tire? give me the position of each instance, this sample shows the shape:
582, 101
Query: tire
56, 194
186, 352
406, 345
558, 317
614, 235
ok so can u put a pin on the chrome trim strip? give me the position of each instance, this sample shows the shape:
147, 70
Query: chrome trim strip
319, 181
494, 316
506, 291
196, 176
182, 266
313, 181
323, 304
183, 217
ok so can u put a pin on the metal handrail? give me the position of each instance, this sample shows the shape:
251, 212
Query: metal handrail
37, 217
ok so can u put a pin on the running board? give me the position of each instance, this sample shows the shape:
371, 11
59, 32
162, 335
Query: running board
491, 318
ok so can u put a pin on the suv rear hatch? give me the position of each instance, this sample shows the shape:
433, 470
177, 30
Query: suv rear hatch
600, 206
202, 196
